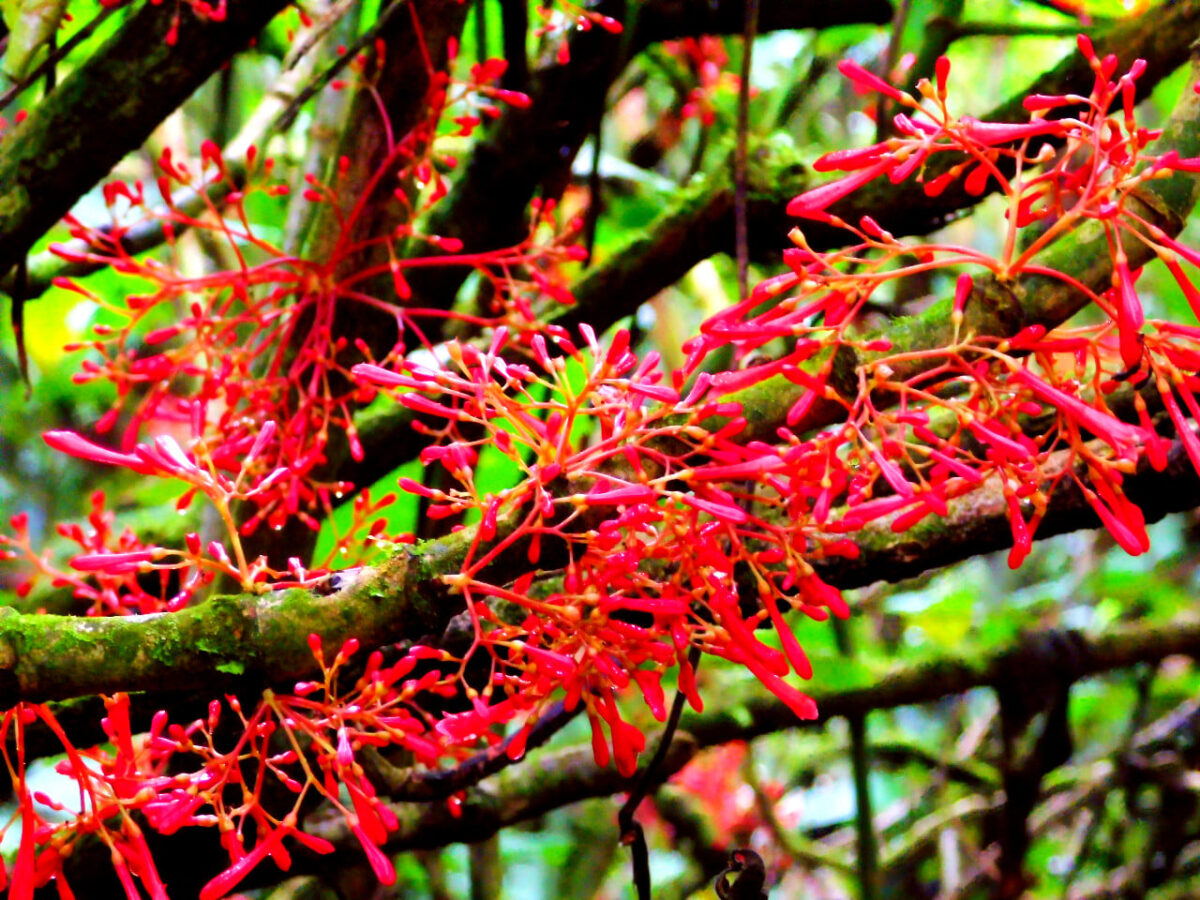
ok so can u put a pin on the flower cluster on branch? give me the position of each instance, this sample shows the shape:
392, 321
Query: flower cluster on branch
652, 511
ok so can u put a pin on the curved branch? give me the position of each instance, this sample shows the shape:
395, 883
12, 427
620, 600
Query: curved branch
552, 780
45, 657
107, 108
230, 641
700, 223
978, 524
671, 19
1001, 309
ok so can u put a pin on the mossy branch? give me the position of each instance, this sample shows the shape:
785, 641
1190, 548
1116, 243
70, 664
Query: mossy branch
999, 308
232, 640
550, 780
107, 108
212, 646
700, 222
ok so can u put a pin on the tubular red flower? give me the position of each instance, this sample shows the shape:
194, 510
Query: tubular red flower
866, 81
380, 864
811, 204
1122, 437
70, 442
113, 563
1129, 313
941, 70
992, 133
231, 877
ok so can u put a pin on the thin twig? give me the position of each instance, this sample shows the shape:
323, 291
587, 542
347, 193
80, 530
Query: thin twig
741, 229
316, 33
288, 114
149, 233
408, 784
17, 320
1136, 722
799, 847
592, 213
1016, 29
864, 821
630, 828
889, 63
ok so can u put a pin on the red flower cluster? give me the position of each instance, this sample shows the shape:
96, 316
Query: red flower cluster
176, 776
913, 448
213, 357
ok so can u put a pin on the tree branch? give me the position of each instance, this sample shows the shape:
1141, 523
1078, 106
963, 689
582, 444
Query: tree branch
700, 223
107, 108
231, 641
520, 794
671, 19
46, 657
555, 779
994, 308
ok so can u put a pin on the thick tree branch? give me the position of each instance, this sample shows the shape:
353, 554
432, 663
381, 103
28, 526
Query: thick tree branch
555, 779
978, 523
231, 641
107, 108
228, 642
417, 36
670, 19
522, 793
996, 308
54, 657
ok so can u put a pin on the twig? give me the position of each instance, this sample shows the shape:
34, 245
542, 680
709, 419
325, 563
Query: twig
150, 233
287, 115
1016, 29
592, 214
741, 229
630, 828
411, 785
1136, 721
868, 844
17, 318
889, 62
800, 848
